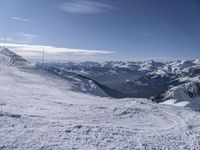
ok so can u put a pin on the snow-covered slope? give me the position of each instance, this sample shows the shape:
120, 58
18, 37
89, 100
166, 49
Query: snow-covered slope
10, 58
187, 94
39, 110
78, 83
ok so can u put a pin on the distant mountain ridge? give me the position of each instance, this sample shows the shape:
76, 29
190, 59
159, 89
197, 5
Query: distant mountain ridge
9, 58
161, 82
148, 79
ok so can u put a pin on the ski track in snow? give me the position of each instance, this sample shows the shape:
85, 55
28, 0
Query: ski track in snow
41, 111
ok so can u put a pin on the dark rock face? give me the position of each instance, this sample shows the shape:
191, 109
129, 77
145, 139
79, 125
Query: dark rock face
193, 89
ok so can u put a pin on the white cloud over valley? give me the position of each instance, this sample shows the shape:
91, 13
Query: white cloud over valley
52, 53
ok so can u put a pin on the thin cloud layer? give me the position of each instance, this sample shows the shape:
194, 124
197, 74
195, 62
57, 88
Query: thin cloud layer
85, 7
145, 34
21, 19
55, 53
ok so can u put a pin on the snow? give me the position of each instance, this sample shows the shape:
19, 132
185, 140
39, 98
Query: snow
39, 110
185, 95
191, 103
175, 103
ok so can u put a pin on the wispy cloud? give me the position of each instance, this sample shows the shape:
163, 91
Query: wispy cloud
85, 7
21, 38
145, 34
26, 37
55, 53
21, 19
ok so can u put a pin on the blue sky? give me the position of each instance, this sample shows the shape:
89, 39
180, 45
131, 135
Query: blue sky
101, 30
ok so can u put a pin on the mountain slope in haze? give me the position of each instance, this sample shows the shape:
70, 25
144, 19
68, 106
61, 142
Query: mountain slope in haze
79, 84
41, 110
150, 79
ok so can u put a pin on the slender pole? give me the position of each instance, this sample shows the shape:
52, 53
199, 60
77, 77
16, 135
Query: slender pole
4, 41
42, 56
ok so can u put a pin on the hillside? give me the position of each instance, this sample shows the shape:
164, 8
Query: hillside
41, 110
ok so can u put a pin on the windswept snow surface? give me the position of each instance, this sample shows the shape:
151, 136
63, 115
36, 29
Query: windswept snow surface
40, 111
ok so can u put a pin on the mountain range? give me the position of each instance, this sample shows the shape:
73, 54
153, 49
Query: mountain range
159, 81
65, 106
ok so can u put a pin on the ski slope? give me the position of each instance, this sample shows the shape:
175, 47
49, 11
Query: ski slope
40, 111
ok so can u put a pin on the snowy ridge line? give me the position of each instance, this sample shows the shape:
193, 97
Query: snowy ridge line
13, 59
